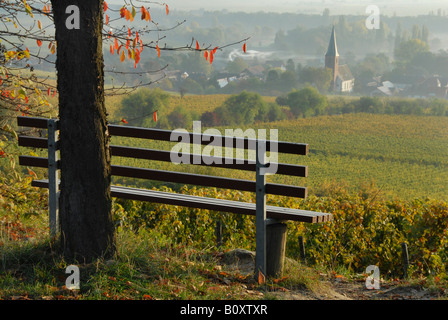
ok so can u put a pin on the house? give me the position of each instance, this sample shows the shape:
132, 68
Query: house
342, 78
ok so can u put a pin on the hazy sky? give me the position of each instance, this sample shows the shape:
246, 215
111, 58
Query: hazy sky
399, 7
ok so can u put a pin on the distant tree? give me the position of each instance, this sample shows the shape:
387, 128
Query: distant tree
318, 77
180, 118
305, 102
237, 65
407, 50
243, 108
143, 103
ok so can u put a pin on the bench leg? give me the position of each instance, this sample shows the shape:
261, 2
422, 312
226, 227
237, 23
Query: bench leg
275, 248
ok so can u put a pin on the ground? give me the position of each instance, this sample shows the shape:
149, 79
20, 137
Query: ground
335, 287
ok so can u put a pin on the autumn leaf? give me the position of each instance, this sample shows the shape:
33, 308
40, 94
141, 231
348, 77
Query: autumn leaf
105, 6
206, 55
244, 47
197, 45
261, 278
123, 12
39, 43
167, 9
107, 19
154, 115
211, 57
124, 120
158, 51
112, 50
32, 173
122, 57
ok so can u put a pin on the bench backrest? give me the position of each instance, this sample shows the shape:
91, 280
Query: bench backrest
166, 156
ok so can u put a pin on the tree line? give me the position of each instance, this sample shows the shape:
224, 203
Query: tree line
247, 108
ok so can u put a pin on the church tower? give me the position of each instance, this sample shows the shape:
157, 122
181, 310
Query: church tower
332, 58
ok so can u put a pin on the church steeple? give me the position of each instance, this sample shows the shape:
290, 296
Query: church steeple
332, 57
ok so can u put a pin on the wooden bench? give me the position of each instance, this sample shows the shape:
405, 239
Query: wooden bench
269, 229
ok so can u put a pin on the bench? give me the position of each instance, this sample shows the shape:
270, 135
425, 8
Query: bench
270, 231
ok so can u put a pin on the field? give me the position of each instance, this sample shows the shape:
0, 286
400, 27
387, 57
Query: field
405, 156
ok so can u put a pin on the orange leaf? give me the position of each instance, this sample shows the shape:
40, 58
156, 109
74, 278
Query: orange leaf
112, 50
244, 47
197, 45
167, 9
214, 50
116, 44
107, 19
39, 43
49, 91
123, 120
261, 278
211, 57
123, 57
206, 55
154, 115
105, 6
158, 51
129, 32
31, 172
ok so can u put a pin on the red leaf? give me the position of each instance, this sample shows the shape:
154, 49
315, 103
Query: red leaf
206, 55
49, 91
211, 57
214, 50
123, 12
54, 93
244, 47
123, 120
107, 19
112, 50
105, 6
129, 32
116, 44
158, 51
197, 45
39, 43
154, 115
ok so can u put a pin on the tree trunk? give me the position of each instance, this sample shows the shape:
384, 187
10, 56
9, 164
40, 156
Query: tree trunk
87, 230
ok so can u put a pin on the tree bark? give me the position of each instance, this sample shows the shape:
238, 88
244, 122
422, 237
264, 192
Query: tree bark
87, 230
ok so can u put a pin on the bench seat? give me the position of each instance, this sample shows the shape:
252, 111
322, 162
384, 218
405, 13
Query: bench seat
222, 205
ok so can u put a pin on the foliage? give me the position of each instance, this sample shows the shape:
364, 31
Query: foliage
140, 106
305, 102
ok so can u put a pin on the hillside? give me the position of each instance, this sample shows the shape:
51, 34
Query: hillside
406, 156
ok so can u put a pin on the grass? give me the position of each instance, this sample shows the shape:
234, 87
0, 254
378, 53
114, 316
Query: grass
148, 266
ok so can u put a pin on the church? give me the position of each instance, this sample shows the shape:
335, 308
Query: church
342, 78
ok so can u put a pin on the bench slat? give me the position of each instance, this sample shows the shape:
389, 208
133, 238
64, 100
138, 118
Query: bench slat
236, 142
210, 161
207, 181
221, 205
34, 122
186, 178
